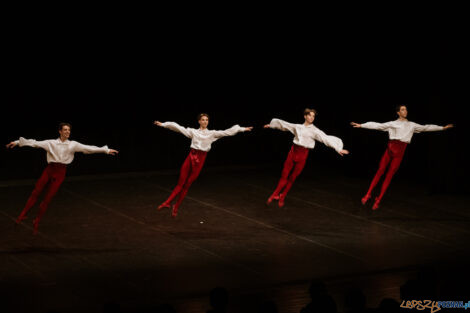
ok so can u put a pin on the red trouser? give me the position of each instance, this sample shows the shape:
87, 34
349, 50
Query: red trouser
54, 174
189, 172
393, 155
295, 159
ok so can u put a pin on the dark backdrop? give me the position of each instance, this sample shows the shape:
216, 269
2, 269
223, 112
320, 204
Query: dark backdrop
112, 84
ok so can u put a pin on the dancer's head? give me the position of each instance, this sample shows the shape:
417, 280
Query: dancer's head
402, 111
64, 130
203, 120
309, 115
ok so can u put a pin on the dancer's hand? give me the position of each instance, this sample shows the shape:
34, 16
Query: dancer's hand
11, 145
356, 125
266, 126
448, 126
343, 152
113, 152
158, 123
247, 129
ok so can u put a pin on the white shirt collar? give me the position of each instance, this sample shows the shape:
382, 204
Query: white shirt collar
64, 142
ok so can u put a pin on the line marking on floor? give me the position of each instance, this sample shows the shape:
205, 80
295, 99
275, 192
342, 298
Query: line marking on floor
63, 246
366, 219
271, 226
188, 243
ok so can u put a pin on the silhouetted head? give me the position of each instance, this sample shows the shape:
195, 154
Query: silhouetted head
326, 304
316, 289
355, 300
424, 287
219, 298
389, 305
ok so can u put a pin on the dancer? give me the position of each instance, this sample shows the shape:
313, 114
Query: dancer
305, 136
60, 152
201, 140
400, 132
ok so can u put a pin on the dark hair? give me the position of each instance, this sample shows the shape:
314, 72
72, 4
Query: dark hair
201, 115
61, 125
307, 111
398, 107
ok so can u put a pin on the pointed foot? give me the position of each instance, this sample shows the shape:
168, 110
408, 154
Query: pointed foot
163, 205
174, 211
20, 219
35, 226
270, 199
365, 199
376, 205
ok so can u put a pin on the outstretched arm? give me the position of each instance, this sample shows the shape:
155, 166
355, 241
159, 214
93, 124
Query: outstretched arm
78, 147
373, 125
281, 125
44, 144
430, 128
175, 127
231, 131
330, 141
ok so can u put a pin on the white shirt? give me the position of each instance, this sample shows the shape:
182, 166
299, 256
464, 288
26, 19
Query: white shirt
306, 136
201, 139
401, 130
59, 151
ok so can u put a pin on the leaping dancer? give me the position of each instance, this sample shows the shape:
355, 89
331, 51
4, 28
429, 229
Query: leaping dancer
400, 133
201, 141
60, 152
305, 136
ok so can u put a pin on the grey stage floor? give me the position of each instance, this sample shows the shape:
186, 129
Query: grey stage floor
102, 239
